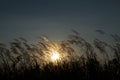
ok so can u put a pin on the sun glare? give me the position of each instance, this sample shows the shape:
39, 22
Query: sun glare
55, 56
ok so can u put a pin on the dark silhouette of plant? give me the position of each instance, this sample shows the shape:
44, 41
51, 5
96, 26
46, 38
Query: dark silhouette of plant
22, 60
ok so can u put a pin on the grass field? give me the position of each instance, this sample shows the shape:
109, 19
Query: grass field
25, 61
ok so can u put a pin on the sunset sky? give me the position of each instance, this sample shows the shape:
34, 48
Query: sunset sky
55, 18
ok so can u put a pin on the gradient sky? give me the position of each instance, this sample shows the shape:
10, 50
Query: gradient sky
55, 18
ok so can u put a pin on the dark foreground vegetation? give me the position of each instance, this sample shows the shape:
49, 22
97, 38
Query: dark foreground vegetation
21, 61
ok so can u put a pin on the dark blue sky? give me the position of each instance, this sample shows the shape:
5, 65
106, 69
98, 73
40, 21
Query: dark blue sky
55, 18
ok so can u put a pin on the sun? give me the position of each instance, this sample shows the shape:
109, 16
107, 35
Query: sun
55, 56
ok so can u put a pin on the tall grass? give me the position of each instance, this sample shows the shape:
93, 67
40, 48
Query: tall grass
24, 61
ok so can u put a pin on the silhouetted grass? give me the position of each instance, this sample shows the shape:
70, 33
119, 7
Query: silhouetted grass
22, 61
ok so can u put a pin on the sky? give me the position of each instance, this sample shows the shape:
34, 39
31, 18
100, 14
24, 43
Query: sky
55, 18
